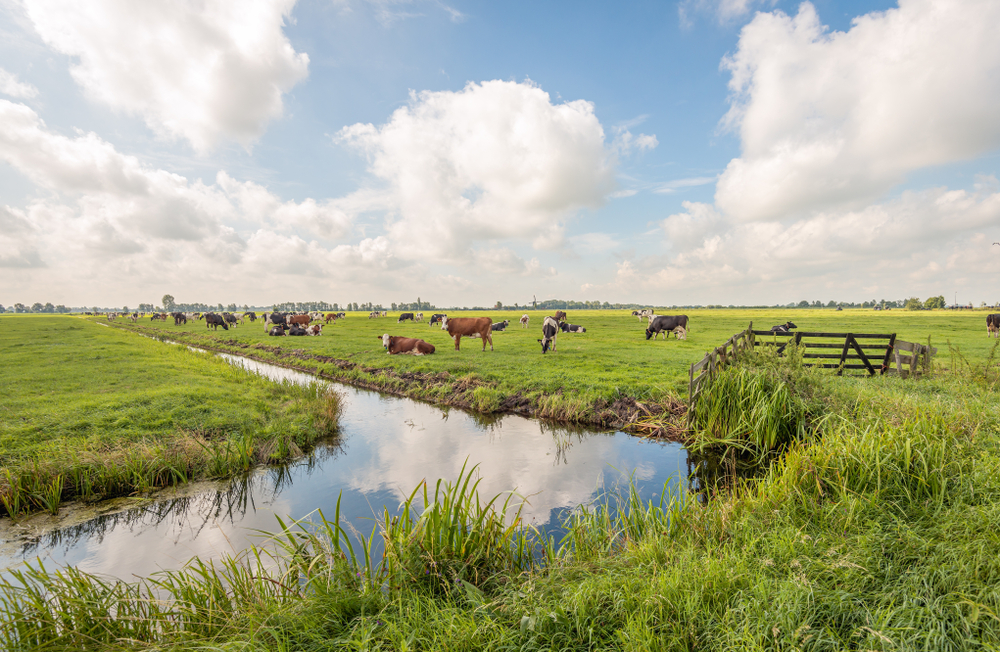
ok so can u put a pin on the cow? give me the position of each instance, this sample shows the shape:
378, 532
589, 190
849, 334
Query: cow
275, 319
297, 330
404, 316
373, 315
500, 327
571, 328
315, 329
680, 333
301, 320
783, 328
559, 316
992, 325
641, 314
666, 324
418, 317
230, 318
468, 326
179, 318
276, 331
213, 321
252, 316
550, 329
436, 318
524, 321
331, 317
395, 345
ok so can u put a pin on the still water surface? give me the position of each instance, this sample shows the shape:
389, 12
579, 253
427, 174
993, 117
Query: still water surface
387, 446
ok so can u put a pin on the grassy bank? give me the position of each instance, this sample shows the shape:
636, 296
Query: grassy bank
609, 376
877, 531
95, 412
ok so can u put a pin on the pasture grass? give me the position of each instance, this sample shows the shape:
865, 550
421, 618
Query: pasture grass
95, 412
594, 377
877, 533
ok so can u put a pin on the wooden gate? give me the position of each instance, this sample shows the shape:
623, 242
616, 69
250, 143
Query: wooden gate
870, 352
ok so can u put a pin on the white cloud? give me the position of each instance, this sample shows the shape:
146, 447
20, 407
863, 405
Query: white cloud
202, 71
840, 118
672, 186
12, 86
494, 161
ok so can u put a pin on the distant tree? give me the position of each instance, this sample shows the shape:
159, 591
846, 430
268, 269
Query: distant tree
125, 309
913, 303
935, 303
499, 306
803, 304
168, 302
60, 309
231, 307
19, 307
145, 307
36, 307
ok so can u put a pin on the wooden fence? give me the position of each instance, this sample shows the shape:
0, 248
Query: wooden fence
873, 353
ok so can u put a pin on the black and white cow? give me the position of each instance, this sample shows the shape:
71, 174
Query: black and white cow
436, 318
500, 326
404, 316
783, 328
666, 324
275, 319
993, 325
571, 328
550, 329
213, 321
296, 330
276, 331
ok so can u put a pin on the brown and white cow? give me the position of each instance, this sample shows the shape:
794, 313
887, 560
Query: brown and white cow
469, 327
301, 320
524, 321
315, 329
395, 345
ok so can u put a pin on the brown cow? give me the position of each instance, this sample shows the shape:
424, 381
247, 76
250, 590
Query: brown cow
395, 345
468, 326
302, 320
559, 316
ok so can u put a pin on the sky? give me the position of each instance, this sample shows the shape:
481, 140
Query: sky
467, 152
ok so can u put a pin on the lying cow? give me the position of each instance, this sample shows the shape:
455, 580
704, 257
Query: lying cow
470, 327
315, 329
404, 316
297, 330
276, 331
436, 318
992, 325
550, 329
571, 328
783, 328
213, 321
500, 326
395, 345
666, 325
524, 321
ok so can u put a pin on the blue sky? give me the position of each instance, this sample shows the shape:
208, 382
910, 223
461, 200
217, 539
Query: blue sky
708, 151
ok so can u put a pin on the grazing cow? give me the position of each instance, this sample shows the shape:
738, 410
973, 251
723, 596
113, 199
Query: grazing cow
524, 321
468, 326
645, 312
252, 316
276, 331
230, 318
404, 316
500, 326
559, 316
436, 318
341, 315
301, 320
213, 321
331, 317
993, 325
395, 345
372, 315
666, 324
315, 329
571, 328
550, 329
296, 330
783, 328
179, 318
418, 317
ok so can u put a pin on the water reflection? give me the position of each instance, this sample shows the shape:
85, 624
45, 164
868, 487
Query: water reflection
387, 446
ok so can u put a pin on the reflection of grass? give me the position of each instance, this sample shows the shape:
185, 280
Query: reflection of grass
879, 534
95, 412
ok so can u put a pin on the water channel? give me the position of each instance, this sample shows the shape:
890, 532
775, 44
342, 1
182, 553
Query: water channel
386, 447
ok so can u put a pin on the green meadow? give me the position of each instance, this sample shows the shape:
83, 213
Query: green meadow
588, 372
94, 411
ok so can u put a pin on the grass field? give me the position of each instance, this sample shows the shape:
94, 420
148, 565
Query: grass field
94, 411
579, 382
876, 531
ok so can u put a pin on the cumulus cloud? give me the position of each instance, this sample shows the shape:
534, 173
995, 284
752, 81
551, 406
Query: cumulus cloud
12, 86
829, 119
201, 71
18, 248
494, 161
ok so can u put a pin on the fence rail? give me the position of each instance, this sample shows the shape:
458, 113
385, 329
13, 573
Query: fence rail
874, 353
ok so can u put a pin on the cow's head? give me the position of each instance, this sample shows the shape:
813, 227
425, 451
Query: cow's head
649, 333
385, 340
444, 323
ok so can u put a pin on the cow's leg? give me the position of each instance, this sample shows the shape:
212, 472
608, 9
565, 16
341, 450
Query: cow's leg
458, 339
